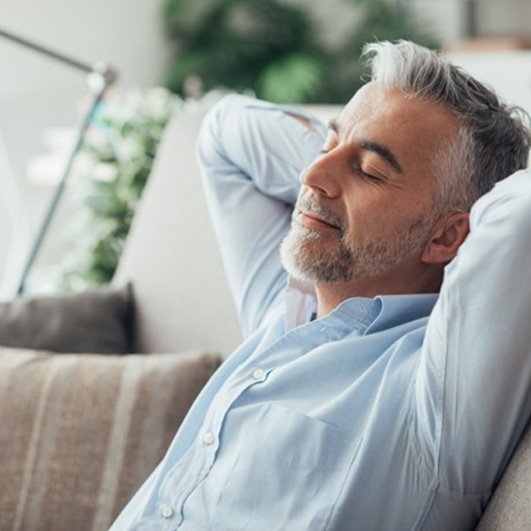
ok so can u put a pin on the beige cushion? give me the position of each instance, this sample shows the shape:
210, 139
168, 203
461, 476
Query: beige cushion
80, 433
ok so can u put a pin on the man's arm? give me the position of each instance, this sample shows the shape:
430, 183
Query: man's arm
251, 154
473, 385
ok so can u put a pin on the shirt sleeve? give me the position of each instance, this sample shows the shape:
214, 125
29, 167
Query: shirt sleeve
473, 384
251, 154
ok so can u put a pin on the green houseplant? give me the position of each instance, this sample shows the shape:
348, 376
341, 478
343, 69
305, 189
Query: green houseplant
275, 49
110, 174
262, 45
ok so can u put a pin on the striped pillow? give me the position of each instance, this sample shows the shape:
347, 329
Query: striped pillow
80, 433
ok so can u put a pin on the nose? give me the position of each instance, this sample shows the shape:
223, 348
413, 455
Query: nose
323, 175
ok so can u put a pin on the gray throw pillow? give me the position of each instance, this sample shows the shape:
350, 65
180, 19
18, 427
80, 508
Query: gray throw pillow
98, 321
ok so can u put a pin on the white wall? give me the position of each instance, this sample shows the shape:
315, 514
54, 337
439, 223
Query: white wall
127, 33
495, 18
441, 18
36, 93
504, 17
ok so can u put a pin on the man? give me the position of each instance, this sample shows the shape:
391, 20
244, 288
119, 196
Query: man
361, 399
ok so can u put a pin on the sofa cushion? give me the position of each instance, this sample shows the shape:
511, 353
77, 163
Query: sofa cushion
97, 321
81, 432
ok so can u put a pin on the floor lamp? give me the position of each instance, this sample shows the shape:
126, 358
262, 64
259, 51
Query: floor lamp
99, 77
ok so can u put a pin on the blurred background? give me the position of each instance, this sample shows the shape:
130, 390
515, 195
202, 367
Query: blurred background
173, 54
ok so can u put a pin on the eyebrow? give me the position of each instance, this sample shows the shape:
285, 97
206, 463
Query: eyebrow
383, 151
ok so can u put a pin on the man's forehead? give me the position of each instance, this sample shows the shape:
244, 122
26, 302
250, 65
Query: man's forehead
394, 111
372, 101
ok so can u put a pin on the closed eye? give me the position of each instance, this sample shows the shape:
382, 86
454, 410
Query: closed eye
367, 176
357, 169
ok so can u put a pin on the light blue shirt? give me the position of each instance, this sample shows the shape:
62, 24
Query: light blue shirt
392, 413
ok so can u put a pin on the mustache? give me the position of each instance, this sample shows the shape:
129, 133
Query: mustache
308, 204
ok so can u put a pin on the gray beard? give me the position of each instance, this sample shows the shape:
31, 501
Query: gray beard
305, 259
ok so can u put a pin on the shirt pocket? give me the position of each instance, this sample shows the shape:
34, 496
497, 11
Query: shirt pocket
287, 474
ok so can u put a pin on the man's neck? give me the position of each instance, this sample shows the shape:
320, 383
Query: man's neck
330, 296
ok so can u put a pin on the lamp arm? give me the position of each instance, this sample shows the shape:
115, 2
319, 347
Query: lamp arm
58, 192
100, 77
48, 52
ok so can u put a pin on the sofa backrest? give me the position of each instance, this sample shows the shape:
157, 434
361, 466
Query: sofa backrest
171, 257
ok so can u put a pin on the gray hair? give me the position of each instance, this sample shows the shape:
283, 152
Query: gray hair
493, 140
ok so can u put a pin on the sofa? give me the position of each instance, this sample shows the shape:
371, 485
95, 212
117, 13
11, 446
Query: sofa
88, 427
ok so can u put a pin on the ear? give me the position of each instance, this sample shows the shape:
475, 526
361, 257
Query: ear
446, 238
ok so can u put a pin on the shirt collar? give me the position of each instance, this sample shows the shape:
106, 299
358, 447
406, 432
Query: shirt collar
396, 310
367, 315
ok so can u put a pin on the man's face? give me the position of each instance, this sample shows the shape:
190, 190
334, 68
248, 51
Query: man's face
365, 206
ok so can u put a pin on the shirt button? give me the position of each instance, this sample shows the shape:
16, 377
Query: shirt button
166, 511
209, 438
258, 374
